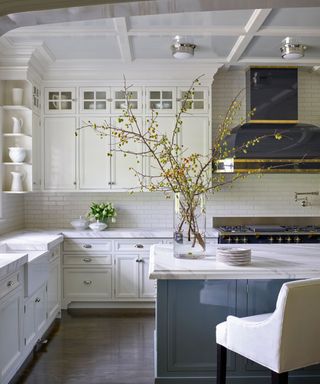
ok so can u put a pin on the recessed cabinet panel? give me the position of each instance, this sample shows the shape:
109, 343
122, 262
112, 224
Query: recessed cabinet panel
195, 135
80, 284
122, 176
60, 153
54, 288
60, 100
94, 164
147, 286
127, 276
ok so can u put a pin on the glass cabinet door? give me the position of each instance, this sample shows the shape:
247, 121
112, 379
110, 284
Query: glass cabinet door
61, 100
121, 102
198, 102
161, 100
95, 100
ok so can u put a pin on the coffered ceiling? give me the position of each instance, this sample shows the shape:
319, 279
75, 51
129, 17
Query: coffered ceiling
228, 38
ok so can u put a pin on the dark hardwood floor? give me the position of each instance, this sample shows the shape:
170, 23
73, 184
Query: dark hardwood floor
95, 349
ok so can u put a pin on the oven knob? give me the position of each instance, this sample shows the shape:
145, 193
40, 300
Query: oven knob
271, 239
236, 240
289, 239
297, 239
279, 239
245, 240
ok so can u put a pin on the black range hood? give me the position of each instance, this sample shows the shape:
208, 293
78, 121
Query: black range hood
272, 93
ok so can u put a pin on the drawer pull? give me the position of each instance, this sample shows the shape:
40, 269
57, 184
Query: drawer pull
87, 259
37, 300
10, 283
87, 282
139, 246
87, 246
137, 261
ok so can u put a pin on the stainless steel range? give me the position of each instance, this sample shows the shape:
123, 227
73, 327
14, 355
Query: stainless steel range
268, 230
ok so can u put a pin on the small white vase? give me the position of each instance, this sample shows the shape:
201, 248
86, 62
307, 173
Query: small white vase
17, 154
17, 124
16, 185
17, 96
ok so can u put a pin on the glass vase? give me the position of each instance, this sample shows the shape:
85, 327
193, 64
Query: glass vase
189, 237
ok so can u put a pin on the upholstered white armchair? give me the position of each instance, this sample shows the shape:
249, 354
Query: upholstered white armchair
287, 339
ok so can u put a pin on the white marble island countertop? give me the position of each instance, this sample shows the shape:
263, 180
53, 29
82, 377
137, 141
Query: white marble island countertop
11, 262
269, 261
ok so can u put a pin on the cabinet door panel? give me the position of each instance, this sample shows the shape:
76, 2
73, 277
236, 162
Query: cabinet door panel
94, 165
195, 135
60, 153
40, 312
127, 278
54, 288
10, 332
121, 175
147, 286
36, 153
29, 323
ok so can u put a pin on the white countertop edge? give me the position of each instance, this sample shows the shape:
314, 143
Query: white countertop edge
11, 262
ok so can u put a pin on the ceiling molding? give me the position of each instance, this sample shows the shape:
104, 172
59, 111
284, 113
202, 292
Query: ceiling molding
288, 31
61, 31
278, 61
120, 26
256, 20
189, 31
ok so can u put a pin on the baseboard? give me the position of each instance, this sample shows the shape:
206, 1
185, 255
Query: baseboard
111, 312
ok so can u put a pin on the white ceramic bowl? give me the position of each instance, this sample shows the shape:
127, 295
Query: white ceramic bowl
97, 226
17, 154
79, 224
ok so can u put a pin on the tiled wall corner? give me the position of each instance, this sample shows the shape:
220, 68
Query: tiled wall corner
13, 215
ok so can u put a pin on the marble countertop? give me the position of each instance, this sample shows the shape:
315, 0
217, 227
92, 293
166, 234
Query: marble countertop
32, 240
11, 262
269, 261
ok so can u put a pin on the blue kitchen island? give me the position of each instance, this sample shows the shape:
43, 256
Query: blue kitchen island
193, 296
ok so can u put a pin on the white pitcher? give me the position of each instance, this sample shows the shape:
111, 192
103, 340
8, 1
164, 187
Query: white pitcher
17, 125
16, 185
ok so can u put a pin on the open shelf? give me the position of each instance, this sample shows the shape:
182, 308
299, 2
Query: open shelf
12, 163
16, 107
21, 192
16, 135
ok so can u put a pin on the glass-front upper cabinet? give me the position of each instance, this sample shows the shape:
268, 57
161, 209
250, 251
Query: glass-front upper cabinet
95, 100
120, 100
60, 100
162, 100
198, 102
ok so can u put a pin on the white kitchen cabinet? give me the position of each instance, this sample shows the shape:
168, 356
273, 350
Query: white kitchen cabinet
11, 336
60, 100
60, 153
127, 276
35, 316
90, 284
36, 152
197, 103
195, 135
161, 100
95, 100
54, 285
147, 288
94, 164
120, 103
122, 177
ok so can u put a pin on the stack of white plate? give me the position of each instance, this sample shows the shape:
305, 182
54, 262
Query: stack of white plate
234, 256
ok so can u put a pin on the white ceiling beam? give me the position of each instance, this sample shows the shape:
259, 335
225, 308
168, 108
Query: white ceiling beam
187, 31
288, 31
255, 22
278, 61
58, 32
123, 39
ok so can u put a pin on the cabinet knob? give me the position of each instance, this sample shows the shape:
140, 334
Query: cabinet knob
137, 261
74, 183
87, 282
87, 259
87, 246
10, 283
37, 300
139, 246
111, 183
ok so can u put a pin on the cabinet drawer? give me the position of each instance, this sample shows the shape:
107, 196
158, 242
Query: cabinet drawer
82, 284
135, 245
9, 283
87, 245
87, 260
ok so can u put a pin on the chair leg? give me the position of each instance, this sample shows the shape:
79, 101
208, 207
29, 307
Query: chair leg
221, 364
279, 378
